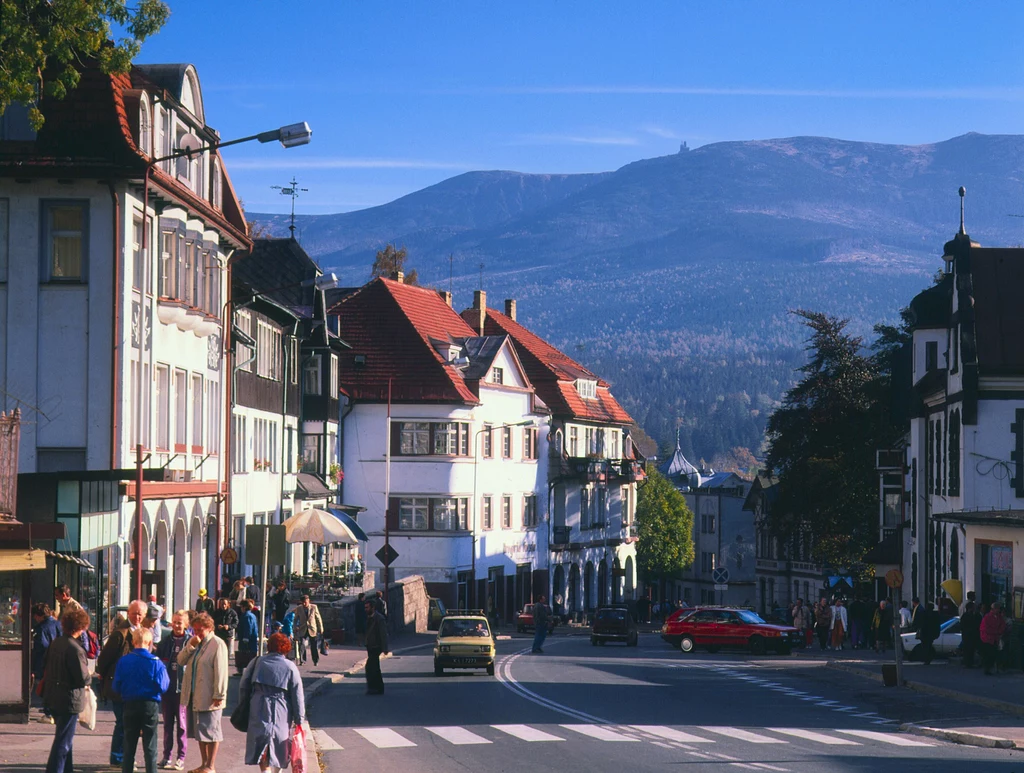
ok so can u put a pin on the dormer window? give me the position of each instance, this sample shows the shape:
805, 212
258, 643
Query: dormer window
497, 376
454, 352
587, 388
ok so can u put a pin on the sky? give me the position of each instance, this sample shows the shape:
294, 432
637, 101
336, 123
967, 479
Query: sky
405, 94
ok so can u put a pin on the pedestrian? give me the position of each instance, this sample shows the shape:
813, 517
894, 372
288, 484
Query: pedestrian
540, 623
382, 605
905, 619
273, 686
225, 620
204, 688
881, 626
175, 721
141, 680
822, 623
643, 609
308, 625
279, 601
204, 603
252, 592
839, 624
45, 630
62, 595
248, 636
238, 593
858, 625
288, 624
118, 644
802, 621
152, 621
970, 633
993, 626
927, 620
67, 677
915, 606
376, 645
359, 613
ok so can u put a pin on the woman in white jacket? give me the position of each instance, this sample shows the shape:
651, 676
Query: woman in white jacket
839, 624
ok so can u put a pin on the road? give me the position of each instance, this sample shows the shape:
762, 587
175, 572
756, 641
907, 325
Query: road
581, 708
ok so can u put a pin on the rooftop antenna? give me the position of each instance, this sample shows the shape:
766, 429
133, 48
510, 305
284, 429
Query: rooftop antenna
963, 192
292, 190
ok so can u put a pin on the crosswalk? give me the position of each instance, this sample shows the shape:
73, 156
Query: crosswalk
338, 739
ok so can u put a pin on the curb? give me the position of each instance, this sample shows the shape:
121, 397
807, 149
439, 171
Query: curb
942, 692
959, 736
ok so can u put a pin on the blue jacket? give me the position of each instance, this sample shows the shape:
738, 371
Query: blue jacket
43, 636
249, 631
288, 624
140, 676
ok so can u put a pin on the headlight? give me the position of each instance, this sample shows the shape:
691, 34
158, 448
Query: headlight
445, 648
486, 650
774, 633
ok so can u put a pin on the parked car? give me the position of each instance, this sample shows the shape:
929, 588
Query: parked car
718, 627
613, 624
948, 642
464, 641
524, 619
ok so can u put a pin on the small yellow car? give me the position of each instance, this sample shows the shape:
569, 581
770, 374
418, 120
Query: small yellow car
464, 641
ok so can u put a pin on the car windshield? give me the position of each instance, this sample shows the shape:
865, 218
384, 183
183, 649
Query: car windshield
611, 614
464, 628
749, 617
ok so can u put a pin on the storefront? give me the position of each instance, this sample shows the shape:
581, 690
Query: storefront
994, 563
16, 568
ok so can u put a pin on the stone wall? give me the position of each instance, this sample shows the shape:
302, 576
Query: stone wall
408, 608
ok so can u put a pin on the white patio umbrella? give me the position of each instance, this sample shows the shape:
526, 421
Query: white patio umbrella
321, 527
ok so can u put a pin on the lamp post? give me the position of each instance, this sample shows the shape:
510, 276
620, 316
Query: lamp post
476, 498
289, 136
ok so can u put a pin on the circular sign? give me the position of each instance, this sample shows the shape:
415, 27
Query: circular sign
720, 575
228, 555
894, 578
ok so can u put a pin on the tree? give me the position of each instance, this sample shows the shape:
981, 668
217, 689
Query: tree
822, 442
388, 261
44, 44
665, 529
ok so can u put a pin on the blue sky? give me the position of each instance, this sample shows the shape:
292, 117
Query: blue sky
405, 94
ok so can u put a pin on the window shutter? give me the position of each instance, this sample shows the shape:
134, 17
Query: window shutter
392, 514
396, 438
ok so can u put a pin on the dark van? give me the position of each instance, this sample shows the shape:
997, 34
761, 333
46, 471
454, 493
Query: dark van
613, 624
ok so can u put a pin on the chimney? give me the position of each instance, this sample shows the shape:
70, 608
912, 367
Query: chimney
510, 308
446, 297
480, 306
398, 276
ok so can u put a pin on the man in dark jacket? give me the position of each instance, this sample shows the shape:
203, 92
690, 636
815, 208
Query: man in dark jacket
64, 689
225, 621
970, 633
204, 603
927, 620
376, 645
248, 636
118, 644
45, 630
141, 680
278, 601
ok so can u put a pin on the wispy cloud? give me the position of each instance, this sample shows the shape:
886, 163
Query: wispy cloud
347, 163
996, 93
572, 139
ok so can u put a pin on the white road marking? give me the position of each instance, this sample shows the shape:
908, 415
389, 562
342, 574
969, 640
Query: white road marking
383, 737
527, 733
741, 735
663, 745
889, 738
810, 735
670, 734
599, 732
324, 741
459, 736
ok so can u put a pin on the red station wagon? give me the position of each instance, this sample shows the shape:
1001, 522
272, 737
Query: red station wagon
715, 628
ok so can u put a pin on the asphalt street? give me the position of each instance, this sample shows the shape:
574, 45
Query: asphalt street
583, 708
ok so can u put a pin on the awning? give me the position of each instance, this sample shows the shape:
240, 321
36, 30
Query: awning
22, 559
350, 522
71, 559
310, 486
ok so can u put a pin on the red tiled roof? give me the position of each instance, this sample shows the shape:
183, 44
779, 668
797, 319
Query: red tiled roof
391, 324
553, 373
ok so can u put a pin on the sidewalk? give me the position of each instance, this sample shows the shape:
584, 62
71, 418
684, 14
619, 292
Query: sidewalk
949, 680
24, 748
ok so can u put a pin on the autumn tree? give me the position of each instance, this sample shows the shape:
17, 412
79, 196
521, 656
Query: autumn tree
44, 45
665, 529
389, 260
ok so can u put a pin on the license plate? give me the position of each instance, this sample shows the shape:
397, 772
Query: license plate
465, 661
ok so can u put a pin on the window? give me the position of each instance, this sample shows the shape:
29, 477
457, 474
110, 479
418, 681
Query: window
412, 514
180, 409
506, 512
600, 506
530, 443
486, 515
188, 285
201, 301
497, 376
240, 444
707, 523
4, 238
446, 438
488, 446
217, 196
293, 360
289, 449
586, 388
529, 511
931, 355
506, 442
415, 438
334, 377
613, 450
310, 453
243, 354
421, 438
268, 351
163, 407
145, 129
197, 411
585, 508
168, 260
627, 510
213, 417
133, 381
574, 441
446, 514
589, 442
137, 268
707, 562
311, 376
954, 453
65, 241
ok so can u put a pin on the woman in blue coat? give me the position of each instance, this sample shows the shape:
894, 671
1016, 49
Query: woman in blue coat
273, 687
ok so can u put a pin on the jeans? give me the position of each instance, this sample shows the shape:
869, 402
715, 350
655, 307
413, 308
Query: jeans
60, 760
175, 722
539, 637
140, 718
117, 739
374, 678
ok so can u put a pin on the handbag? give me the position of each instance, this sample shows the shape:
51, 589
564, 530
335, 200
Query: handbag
87, 716
240, 716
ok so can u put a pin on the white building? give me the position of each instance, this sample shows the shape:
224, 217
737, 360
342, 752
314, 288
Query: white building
110, 326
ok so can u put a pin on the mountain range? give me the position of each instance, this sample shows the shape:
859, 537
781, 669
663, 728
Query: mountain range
672, 277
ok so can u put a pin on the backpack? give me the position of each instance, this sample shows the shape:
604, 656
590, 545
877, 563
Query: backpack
91, 644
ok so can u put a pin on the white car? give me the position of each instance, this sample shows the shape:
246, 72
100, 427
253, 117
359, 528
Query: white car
948, 642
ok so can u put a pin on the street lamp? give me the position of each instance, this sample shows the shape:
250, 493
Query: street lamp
476, 498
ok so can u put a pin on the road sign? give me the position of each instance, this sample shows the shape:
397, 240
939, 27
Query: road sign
721, 586
894, 578
387, 555
228, 556
720, 575
276, 549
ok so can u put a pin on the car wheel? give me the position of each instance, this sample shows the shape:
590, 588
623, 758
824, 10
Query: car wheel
757, 645
713, 649
687, 645
633, 641
602, 642
785, 649
490, 670
438, 671
593, 642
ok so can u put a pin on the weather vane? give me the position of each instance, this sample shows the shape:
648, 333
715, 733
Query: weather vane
292, 190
